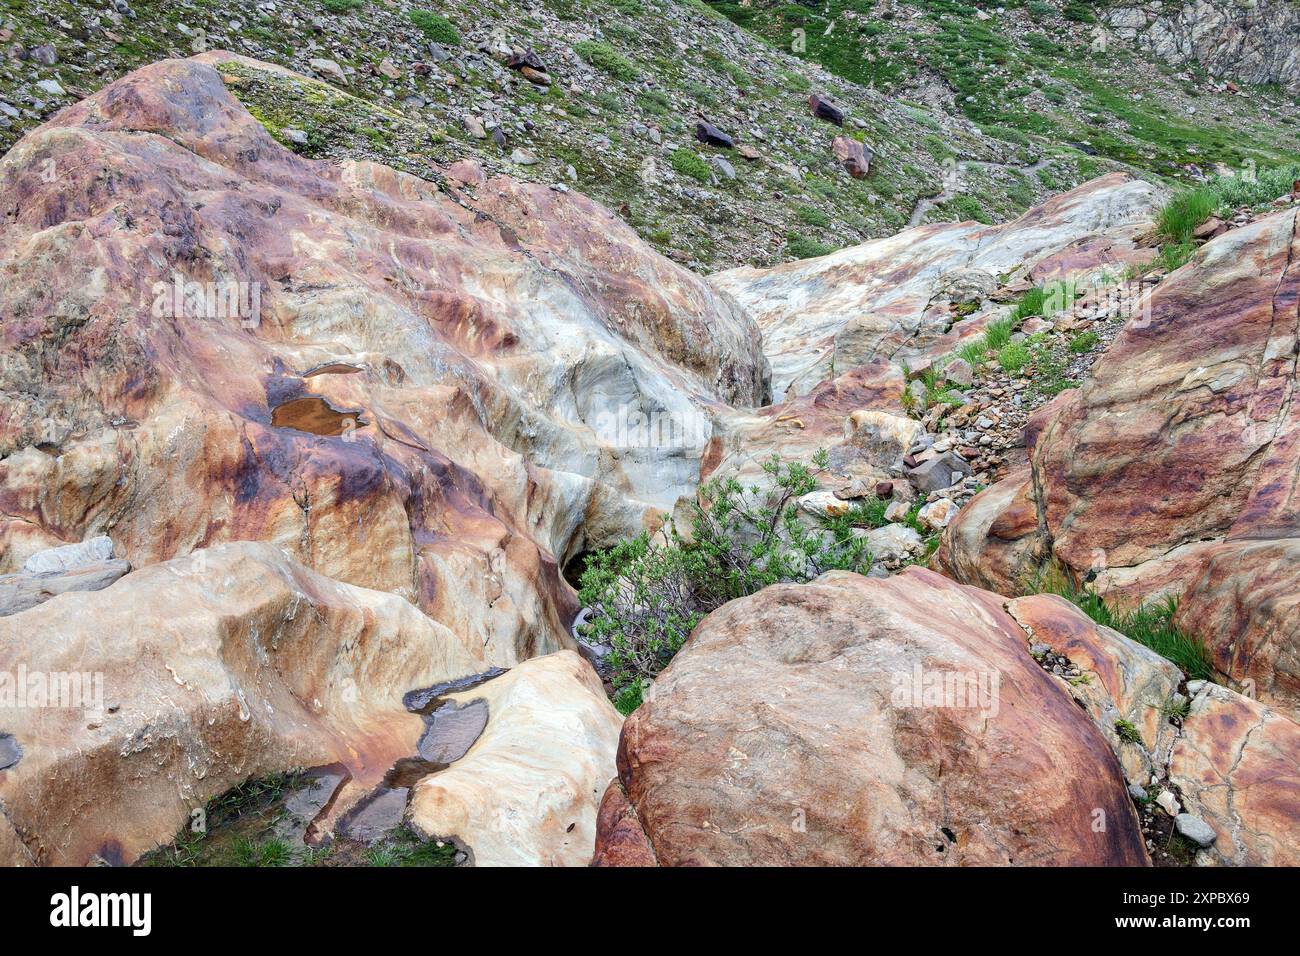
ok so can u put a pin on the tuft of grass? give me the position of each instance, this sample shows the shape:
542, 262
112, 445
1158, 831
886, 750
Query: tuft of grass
607, 59
270, 853
864, 514
1174, 255
1127, 732
1030, 304
1182, 214
690, 163
1176, 710
1013, 357
436, 27
342, 6
1151, 625
1084, 342
997, 334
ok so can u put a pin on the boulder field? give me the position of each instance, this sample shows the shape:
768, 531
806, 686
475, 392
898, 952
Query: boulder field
293, 455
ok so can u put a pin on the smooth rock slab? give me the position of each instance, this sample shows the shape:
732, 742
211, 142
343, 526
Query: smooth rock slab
527, 792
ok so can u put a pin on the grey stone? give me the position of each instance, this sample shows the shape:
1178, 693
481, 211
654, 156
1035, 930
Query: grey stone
10, 752
959, 372
938, 473
1195, 829
69, 556
19, 592
328, 68
892, 543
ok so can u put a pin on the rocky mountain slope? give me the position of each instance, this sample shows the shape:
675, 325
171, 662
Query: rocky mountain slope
612, 106
1172, 88
297, 449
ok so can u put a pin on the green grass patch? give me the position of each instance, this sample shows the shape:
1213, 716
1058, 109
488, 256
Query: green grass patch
1151, 625
1013, 357
436, 27
801, 247
1084, 342
690, 163
607, 59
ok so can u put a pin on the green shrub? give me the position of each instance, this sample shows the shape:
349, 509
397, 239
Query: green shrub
436, 27
690, 163
1084, 342
1234, 191
606, 59
801, 247
645, 598
342, 6
1013, 357
813, 216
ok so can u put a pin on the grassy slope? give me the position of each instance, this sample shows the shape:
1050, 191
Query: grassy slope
1030, 74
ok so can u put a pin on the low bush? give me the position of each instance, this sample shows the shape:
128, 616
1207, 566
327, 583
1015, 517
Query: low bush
801, 247
436, 27
645, 597
690, 163
607, 59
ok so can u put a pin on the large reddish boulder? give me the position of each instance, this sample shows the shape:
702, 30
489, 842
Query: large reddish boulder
864, 721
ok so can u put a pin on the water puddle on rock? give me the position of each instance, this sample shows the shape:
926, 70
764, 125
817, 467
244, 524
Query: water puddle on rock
313, 414
285, 820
